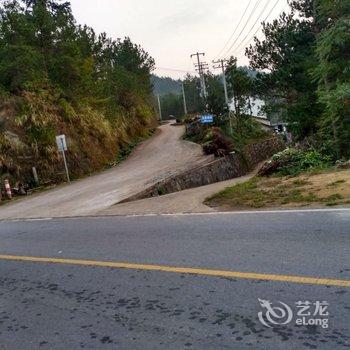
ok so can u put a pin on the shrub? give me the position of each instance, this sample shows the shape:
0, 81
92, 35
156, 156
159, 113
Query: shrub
217, 143
294, 161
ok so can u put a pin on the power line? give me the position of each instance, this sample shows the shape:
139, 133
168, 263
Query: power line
252, 27
175, 70
268, 15
234, 32
245, 25
243, 53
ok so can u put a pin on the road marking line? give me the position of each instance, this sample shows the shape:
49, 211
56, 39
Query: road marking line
26, 220
245, 212
184, 270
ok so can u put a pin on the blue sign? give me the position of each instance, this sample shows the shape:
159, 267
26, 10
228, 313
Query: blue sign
207, 118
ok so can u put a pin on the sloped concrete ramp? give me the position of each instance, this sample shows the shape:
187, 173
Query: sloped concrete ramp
159, 157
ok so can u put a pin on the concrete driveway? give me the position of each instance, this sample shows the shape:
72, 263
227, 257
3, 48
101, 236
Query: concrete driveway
159, 157
187, 201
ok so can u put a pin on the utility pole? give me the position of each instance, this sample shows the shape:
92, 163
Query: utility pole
184, 99
200, 67
159, 108
221, 64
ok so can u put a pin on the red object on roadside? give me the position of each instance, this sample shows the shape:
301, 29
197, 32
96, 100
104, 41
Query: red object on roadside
8, 189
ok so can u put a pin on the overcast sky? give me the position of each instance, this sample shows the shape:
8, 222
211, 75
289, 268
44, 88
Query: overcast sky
171, 30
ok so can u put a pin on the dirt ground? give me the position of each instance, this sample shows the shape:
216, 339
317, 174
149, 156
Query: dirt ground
162, 155
329, 188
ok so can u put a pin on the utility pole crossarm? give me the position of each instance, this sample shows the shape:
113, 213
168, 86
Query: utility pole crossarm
200, 68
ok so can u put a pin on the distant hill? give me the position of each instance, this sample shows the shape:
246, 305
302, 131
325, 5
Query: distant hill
165, 85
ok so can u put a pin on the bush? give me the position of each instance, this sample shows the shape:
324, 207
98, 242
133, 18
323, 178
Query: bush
294, 161
217, 143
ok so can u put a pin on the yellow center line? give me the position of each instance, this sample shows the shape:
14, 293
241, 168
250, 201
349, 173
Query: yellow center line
184, 270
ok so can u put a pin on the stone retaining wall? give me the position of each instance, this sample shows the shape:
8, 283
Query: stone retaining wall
221, 169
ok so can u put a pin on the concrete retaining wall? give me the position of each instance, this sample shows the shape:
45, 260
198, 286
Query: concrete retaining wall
229, 167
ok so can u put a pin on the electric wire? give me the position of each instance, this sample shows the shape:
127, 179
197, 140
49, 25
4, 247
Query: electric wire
235, 30
245, 25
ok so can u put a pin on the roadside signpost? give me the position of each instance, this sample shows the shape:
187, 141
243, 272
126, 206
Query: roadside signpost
35, 175
62, 147
207, 119
8, 189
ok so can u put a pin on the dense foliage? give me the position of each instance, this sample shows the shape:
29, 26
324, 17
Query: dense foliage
305, 55
293, 161
172, 105
60, 77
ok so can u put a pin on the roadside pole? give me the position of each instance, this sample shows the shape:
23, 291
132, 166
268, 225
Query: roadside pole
184, 99
221, 64
62, 146
65, 163
225, 84
8, 189
226, 95
35, 175
159, 108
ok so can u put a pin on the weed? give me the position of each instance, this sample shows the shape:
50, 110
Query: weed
333, 197
336, 183
300, 182
161, 191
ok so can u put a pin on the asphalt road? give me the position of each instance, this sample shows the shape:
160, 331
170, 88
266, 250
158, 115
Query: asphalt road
72, 304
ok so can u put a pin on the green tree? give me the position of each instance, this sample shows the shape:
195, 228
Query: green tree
66, 78
333, 72
240, 87
287, 55
172, 105
215, 101
195, 102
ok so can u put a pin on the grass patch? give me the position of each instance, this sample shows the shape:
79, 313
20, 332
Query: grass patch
256, 193
278, 191
333, 199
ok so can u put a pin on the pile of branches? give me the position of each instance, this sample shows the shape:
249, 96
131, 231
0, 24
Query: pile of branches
217, 143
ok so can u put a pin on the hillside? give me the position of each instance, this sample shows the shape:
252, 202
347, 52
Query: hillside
57, 77
165, 85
